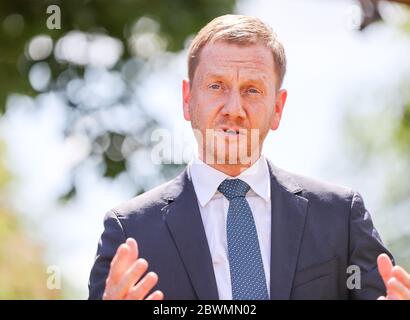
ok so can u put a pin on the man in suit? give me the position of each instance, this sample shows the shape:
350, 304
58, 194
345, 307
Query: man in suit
232, 225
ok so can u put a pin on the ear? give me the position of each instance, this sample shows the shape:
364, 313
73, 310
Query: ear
186, 94
279, 105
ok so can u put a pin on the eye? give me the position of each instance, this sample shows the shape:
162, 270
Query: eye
253, 90
215, 86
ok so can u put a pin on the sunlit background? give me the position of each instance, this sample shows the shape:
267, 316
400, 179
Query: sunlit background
78, 106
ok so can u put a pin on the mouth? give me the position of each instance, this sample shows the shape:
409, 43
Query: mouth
231, 131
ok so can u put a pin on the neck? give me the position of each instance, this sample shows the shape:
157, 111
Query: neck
232, 170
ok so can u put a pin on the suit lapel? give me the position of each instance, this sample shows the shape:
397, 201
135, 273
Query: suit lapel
288, 221
185, 225
287, 224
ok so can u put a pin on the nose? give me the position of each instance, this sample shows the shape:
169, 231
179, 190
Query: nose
233, 106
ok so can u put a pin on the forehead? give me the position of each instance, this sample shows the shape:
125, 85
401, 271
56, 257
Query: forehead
223, 57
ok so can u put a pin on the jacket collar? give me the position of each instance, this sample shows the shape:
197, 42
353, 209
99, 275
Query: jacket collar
288, 210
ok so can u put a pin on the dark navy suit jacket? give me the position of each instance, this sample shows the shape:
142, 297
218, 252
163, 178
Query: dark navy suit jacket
317, 231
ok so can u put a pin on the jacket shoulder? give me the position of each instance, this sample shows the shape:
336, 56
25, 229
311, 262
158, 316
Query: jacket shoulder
323, 189
148, 202
315, 189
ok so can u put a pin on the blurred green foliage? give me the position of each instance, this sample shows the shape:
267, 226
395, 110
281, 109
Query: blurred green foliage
24, 19
380, 140
22, 272
21, 20
402, 132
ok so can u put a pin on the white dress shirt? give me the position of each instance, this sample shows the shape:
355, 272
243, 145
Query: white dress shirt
213, 207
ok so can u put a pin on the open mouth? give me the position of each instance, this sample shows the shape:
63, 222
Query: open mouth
231, 131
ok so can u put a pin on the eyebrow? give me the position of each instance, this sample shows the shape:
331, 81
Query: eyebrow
214, 75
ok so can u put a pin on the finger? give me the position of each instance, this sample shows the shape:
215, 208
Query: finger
400, 274
129, 278
381, 298
398, 289
142, 288
391, 295
133, 248
385, 266
126, 254
118, 263
156, 295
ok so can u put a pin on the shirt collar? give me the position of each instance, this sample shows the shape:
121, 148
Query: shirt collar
206, 179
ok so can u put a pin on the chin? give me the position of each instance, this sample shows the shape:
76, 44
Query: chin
232, 154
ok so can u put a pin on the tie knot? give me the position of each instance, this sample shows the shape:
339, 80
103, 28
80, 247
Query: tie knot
233, 188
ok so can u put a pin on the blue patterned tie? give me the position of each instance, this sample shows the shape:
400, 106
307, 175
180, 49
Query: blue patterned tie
245, 260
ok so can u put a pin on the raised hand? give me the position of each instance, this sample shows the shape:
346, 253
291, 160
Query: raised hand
125, 280
396, 279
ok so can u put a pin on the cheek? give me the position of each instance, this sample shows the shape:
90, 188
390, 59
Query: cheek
205, 110
260, 115
199, 115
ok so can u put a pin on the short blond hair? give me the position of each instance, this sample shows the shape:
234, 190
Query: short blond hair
240, 30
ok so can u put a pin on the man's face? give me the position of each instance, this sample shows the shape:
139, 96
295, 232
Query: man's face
233, 101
